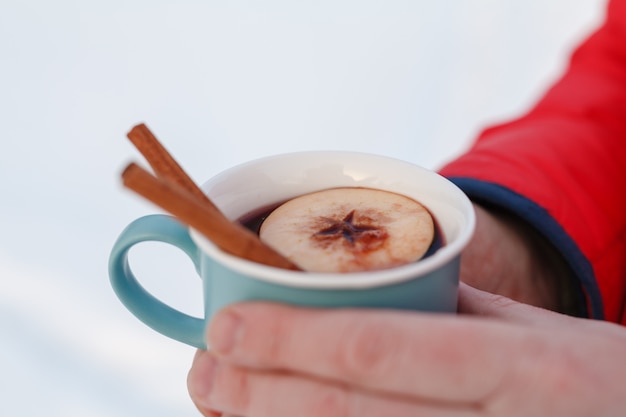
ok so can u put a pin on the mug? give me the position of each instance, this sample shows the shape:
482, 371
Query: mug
430, 284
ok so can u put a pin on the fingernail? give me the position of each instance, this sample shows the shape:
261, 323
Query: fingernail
201, 376
224, 331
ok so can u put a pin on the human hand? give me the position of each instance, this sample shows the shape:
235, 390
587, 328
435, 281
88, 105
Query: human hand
509, 359
508, 257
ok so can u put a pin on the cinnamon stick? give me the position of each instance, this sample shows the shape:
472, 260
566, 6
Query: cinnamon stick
231, 237
162, 162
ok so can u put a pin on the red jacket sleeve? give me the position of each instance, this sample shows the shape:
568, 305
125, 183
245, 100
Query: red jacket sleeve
562, 166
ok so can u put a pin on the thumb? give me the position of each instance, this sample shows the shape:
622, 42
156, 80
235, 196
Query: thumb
480, 303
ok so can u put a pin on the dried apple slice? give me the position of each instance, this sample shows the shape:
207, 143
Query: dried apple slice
349, 230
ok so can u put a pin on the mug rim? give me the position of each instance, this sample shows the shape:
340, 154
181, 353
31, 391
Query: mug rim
341, 280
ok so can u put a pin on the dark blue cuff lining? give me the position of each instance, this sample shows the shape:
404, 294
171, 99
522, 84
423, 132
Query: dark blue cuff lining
546, 225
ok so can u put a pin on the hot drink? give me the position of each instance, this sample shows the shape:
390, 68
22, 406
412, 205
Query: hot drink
374, 213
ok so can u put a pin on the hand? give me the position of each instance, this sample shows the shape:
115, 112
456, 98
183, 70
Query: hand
276, 361
507, 257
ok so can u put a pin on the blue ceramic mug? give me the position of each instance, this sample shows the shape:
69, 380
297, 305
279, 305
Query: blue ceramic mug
430, 284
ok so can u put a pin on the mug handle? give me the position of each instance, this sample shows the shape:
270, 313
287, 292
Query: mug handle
147, 308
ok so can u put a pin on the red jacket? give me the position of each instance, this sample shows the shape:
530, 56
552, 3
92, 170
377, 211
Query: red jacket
562, 166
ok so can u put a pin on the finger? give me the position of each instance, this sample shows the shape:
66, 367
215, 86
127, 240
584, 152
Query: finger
436, 356
196, 381
480, 303
208, 412
242, 392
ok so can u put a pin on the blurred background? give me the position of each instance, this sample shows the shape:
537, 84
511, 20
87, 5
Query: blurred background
219, 82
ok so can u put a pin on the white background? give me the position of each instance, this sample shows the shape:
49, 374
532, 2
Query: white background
219, 82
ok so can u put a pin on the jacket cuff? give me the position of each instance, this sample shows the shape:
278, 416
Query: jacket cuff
538, 218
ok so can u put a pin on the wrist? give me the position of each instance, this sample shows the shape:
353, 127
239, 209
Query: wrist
508, 257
